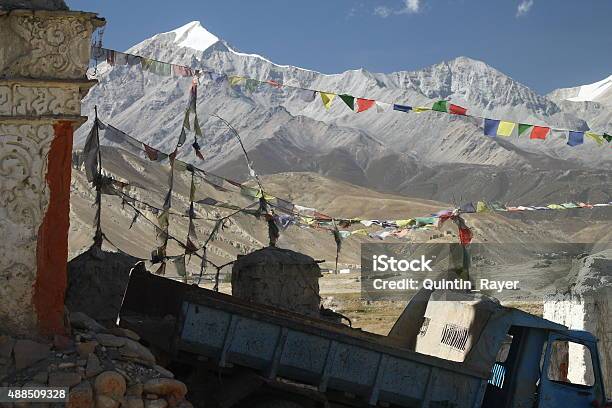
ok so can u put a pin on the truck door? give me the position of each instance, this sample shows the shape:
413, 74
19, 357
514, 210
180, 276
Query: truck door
571, 376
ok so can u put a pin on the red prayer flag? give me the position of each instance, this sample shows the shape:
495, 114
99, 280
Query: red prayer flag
457, 110
199, 154
151, 153
539, 132
465, 235
274, 83
364, 104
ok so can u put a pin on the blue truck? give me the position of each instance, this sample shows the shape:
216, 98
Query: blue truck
234, 353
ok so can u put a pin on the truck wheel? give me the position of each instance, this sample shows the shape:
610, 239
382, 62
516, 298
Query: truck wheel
277, 403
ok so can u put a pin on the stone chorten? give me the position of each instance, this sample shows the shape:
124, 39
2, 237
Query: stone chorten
280, 278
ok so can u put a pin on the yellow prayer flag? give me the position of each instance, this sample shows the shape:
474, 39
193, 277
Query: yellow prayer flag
481, 206
235, 80
505, 128
327, 98
362, 231
597, 138
419, 109
403, 223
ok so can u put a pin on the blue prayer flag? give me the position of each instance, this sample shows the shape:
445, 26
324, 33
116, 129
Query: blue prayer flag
575, 138
490, 127
402, 108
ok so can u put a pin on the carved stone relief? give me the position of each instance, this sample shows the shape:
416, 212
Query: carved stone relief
47, 46
20, 99
24, 197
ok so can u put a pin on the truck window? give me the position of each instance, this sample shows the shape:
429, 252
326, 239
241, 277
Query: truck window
571, 363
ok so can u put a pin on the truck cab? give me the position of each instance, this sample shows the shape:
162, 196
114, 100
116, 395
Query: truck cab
533, 362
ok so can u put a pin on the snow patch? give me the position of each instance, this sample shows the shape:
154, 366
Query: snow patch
592, 91
193, 35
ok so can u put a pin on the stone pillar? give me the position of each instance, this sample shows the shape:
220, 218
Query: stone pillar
44, 56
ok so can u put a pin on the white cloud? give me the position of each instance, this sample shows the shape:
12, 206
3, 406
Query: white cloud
524, 7
383, 11
409, 7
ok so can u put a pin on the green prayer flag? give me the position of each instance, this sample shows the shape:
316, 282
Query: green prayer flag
523, 127
186, 124
440, 106
196, 126
607, 137
349, 100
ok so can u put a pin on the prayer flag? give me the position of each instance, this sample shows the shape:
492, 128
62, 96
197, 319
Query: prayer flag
523, 127
440, 106
490, 127
481, 206
419, 109
597, 138
307, 95
196, 147
457, 110
402, 108
235, 80
382, 107
152, 154
539, 132
182, 137
251, 85
364, 104
607, 137
505, 128
186, 124
327, 98
575, 138
349, 100
196, 126
274, 83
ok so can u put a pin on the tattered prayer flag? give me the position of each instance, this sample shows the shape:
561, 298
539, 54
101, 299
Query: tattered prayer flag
349, 100
179, 264
196, 126
490, 127
327, 98
505, 128
235, 80
274, 83
481, 206
539, 132
182, 71
465, 235
186, 124
402, 108
382, 107
251, 85
364, 104
182, 137
457, 110
419, 109
607, 137
596, 137
151, 153
523, 127
440, 106
307, 95
575, 138
196, 148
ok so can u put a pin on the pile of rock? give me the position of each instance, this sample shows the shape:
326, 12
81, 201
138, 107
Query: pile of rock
103, 368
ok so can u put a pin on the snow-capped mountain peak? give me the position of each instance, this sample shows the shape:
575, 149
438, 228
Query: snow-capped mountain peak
193, 35
592, 91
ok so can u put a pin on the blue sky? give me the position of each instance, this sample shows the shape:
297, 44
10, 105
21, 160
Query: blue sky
545, 44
